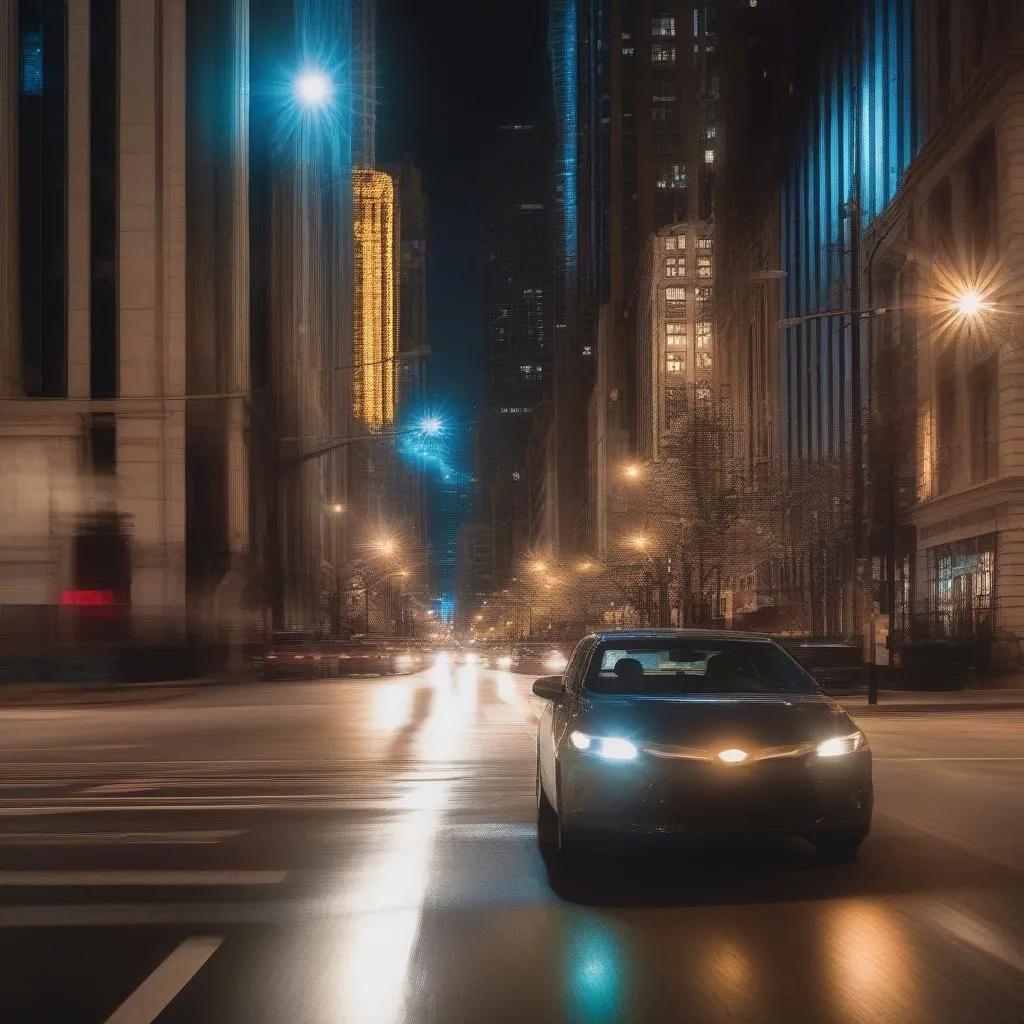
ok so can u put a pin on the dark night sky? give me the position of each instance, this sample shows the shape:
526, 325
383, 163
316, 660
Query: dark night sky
449, 73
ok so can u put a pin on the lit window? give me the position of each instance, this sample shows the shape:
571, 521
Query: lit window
663, 53
670, 243
588, 350
516, 475
704, 266
709, 132
676, 297
709, 156
628, 51
663, 27
627, 35
675, 335
664, 98
675, 266
677, 177
681, 243
704, 243
702, 330
32, 63
674, 363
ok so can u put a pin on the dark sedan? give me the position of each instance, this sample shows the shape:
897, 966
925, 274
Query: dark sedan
689, 731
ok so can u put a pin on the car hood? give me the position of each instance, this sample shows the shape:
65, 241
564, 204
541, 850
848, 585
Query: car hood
714, 722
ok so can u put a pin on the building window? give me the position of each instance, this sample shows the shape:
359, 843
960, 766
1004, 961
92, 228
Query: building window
628, 51
676, 299
675, 336
675, 266
663, 28
704, 243
667, 97
703, 346
709, 133
32, 63
674, 363
588, 350
704, 266
662, 112
681, 242
709, 156
670, 243
663, 53
984, 396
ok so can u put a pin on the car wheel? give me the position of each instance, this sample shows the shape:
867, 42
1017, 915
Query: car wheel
839, 846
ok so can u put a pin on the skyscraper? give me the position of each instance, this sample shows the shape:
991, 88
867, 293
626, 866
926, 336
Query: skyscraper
518, 279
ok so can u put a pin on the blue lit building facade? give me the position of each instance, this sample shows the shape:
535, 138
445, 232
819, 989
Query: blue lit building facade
857, 138
854, 132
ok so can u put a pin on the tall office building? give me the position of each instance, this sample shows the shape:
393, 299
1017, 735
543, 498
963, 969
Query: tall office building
635, 89
517, 297
173, 287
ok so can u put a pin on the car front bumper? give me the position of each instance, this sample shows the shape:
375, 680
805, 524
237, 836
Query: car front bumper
797, 797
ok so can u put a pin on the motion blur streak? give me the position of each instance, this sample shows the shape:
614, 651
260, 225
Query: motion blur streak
866, 940
392, 706
377, 944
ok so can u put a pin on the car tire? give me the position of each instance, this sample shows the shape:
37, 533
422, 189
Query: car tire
839, 846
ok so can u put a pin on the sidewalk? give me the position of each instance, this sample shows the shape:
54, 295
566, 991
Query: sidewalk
70, 695
902, 701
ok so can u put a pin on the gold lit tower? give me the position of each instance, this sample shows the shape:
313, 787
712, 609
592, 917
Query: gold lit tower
375, 313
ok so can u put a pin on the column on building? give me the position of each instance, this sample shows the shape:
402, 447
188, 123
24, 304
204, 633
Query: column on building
152, 303
79, 199
10, 317
1009, 582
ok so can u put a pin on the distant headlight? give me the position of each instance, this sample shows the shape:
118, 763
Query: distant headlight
505, 662
443, 658
611, 748
471, 658
555, 662
840, 745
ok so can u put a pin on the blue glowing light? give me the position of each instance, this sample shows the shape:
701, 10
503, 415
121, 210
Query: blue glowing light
594, 972
562, 44
313, 87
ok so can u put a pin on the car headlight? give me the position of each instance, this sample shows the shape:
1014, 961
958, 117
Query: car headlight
555, 662
443, 658
838, 746
505, 662
471, 658
611, 748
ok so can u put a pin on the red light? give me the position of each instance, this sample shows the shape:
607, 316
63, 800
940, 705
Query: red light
87, 598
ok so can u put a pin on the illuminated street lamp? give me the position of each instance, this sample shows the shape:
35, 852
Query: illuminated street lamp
386, 546
970, 304
432, 426
538, 567
640, 542
337, 508
632, 471
313, 88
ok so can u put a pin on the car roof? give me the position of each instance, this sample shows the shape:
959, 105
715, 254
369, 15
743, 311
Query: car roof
680, 634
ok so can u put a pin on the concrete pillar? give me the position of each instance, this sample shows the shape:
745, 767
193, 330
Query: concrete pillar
10, 298
79, 200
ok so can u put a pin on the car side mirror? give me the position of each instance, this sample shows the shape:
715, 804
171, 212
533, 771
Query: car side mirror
549, 688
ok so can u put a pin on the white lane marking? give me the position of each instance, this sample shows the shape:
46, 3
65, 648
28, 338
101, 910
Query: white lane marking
157, 992
19, 879
194, 838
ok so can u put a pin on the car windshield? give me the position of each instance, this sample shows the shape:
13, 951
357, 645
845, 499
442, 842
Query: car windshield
676, 667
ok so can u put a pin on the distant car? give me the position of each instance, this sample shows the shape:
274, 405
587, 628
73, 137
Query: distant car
294, 658
533, 658
690, 731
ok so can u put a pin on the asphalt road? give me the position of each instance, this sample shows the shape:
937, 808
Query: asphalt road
363, 852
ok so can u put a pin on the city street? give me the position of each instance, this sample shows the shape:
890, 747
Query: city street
363, 851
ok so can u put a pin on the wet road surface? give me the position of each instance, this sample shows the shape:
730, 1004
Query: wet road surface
363, 852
